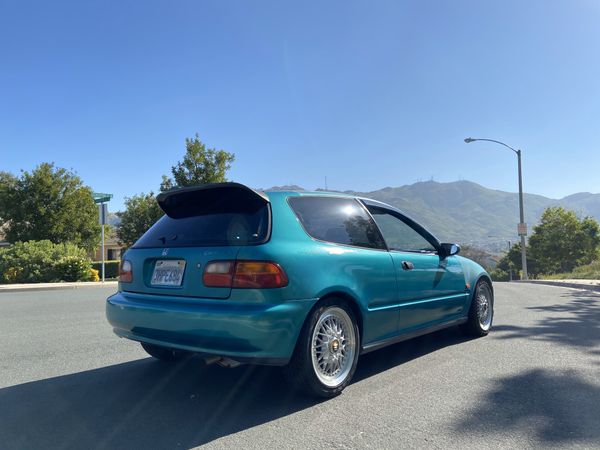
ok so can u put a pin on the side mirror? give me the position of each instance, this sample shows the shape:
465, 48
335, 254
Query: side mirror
449, 249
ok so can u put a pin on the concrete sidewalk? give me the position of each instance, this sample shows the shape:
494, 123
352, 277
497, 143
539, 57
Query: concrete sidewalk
63, 285
593, 285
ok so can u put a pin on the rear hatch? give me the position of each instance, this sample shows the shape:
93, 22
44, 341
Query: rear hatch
201, 224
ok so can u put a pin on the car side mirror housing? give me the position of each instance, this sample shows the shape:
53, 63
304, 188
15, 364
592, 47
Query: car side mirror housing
449, 249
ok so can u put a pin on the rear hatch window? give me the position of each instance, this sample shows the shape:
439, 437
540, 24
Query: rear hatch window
221, 229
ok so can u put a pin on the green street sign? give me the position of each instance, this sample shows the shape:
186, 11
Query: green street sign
101, 198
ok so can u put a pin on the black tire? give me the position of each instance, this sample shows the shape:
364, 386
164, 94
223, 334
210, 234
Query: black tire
301, 372
163, 353
481, 316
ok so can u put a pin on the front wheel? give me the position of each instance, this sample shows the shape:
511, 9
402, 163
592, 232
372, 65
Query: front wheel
481, 313
327, 351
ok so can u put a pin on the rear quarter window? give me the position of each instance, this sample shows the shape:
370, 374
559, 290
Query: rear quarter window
337, 220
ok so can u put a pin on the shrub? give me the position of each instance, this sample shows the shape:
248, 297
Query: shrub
111, 268
587, 272
43, 261
72, 268
93, 276
499, 275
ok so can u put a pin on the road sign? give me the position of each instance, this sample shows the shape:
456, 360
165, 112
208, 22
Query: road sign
522, 229
99, 197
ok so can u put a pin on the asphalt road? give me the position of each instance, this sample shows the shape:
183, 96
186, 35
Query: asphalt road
67, 382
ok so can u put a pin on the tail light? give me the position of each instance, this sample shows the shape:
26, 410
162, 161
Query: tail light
258, 274
244, 274
218, 274
126, 272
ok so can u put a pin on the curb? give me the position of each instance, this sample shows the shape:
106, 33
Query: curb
590, 286
54, 286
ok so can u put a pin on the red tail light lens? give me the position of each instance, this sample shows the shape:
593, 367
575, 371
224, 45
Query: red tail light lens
244, 274
218, 274
126, 272
259, 274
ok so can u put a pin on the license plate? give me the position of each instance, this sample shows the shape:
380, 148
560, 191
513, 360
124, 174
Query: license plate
168, 272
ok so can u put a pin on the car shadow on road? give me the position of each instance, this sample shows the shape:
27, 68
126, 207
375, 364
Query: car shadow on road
149, 404
553, 408
575, 322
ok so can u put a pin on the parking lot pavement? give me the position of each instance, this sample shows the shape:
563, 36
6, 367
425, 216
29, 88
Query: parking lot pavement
66, 381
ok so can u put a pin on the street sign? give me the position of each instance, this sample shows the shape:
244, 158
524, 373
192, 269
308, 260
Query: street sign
99, 197
522, 229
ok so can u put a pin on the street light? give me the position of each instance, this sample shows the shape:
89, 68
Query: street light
522, 228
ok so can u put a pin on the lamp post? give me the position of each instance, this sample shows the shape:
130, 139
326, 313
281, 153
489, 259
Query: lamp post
522, 227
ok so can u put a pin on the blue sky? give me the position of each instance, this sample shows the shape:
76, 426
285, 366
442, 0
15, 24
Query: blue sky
367, 93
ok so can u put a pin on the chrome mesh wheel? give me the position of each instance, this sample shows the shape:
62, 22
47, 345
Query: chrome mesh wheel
483, 298
333, 346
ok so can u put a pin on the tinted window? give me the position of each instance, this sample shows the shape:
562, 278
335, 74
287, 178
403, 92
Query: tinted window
339, 220
245, 228
398, 235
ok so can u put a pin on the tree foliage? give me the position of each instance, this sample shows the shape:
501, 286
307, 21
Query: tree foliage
199, 165
558, 244
48, 203
141, 212
561, 241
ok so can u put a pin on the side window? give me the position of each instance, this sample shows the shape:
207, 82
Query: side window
339, 220
397, 234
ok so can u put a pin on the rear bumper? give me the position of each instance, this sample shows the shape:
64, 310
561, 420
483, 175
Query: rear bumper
249, 332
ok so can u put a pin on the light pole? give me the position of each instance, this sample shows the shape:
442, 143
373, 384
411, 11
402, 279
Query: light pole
522, 227
509, 263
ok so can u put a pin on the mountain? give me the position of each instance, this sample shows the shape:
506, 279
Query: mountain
465, 212
468, 213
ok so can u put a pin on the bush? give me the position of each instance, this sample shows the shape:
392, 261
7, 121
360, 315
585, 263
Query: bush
587, 272
94, 275
499, 275
73, 268
111, 268
43, 261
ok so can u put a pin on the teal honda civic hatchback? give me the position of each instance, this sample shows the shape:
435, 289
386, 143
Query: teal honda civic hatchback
305, 280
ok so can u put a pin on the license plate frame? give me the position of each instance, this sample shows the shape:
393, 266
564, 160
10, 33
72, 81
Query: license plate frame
168, 273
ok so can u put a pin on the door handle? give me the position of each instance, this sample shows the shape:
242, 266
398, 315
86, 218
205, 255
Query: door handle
407, 265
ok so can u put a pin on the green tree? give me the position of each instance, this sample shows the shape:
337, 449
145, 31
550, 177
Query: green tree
200, 165
562, 241
511, 261
48, 203
141, 212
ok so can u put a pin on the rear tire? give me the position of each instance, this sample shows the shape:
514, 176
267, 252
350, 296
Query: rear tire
163, 353
481, 313
326, 353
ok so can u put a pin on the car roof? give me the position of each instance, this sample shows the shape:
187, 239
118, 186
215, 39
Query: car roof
295, 193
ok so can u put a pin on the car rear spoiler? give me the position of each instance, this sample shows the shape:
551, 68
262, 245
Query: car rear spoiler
213, 198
